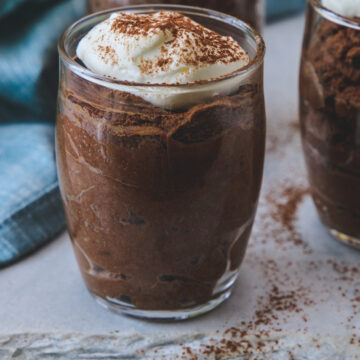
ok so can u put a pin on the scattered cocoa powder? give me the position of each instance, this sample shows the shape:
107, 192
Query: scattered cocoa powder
344, 269
285, 211
240, 341
282, 208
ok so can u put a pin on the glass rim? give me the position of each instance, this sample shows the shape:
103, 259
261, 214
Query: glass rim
216, 15
334, 16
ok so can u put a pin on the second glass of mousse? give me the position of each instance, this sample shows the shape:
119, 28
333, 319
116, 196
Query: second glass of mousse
160, 147
330, 113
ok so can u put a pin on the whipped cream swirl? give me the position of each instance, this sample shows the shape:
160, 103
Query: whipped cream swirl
162, 48
348, 8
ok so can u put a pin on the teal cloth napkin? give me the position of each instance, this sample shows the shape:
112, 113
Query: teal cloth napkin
278, 8
30, 210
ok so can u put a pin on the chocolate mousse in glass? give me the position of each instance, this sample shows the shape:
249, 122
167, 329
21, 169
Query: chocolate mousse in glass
330, 114
250, 11
160, 181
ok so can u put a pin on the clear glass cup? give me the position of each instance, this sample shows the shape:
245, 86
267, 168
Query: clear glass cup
159, 202
250, 11
330, 118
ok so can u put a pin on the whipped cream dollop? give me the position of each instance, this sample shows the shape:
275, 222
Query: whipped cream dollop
348, 8
162, 48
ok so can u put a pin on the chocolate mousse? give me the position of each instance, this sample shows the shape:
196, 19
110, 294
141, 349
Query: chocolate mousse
159, 202
250, 11
330, 112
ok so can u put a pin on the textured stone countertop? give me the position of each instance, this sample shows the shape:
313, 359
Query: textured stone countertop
297, 296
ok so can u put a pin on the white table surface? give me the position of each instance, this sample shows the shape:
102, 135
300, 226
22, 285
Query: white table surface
46, 312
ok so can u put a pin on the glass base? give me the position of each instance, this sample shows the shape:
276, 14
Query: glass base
346, 239
120, 308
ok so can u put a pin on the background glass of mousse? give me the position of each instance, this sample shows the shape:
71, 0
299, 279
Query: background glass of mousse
330, 118
250, 11
160, 203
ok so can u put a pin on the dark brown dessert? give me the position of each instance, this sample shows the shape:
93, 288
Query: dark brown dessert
250, 11
330, 113
159, 204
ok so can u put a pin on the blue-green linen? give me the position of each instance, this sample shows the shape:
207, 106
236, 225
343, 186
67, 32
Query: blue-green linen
277, 8
30, 205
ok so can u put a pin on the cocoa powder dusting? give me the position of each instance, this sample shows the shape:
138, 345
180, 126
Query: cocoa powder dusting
189, 42
108, 54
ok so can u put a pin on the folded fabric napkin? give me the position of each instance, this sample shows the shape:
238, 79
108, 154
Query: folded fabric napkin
31, 211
